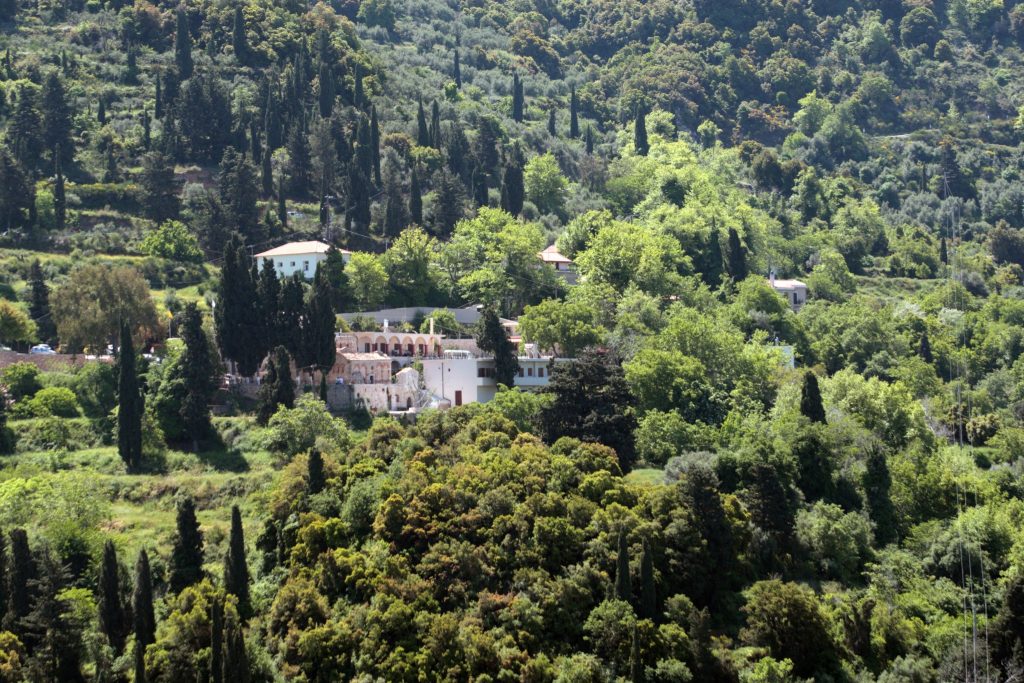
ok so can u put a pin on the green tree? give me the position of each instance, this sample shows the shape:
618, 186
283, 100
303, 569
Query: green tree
811, 405
173, 240
186, 564
315, 476
236, 569
518, 100
56, 118
182, 45
238, 192
640, 144
130, 405
623, 582
415, 198
574, 105
592, 403
21, 582
277, 388
513, 183
737, 257
159, 188
60, 205
143, 619
492, 338
239, 42
16, 327
318, 326
564, 328
877, 484
196, 372
113, 620
240, 323
545, 185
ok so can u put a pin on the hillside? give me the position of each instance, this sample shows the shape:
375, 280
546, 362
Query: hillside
755, 414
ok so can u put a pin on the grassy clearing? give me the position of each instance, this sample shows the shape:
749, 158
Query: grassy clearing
646, 476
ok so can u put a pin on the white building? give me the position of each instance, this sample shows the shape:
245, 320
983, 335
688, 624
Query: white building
563, 265
461, 377
299, 257
793, 291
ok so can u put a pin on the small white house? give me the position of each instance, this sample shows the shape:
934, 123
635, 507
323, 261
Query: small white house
793, 291
562, 265
299, 257
462, 377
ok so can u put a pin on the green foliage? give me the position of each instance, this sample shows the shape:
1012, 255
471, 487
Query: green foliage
172, 240
294, 430
55, 402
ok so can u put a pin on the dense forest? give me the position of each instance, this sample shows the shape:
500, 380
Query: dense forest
681, 503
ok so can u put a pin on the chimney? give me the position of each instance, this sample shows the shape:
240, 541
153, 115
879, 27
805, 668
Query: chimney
431, 327
385, 324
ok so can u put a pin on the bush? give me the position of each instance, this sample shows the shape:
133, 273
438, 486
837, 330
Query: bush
294, 430
54, 433
54, 401
21, 380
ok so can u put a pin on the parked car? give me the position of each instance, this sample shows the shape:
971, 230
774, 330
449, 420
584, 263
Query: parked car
41, 348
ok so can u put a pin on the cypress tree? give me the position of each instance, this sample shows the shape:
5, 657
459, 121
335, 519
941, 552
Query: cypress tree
196, 367
574, 121
395, 215
59, 199
299, 163
318, 325
143, 619
56, 117
101, 113
238, 38
924, 350
272, 120
277, 388
129, 405
282, 206
236, 661
422, 132
435, 125
217, 672
268, 292
131, 68
623, 583
877, 484
323, 387
648, 591
513, 188
147, 133
21, 582
291, 311
266, 175
26, 129
236, 570
315, 477
811, 405
54, 640
943, 251
158, 104
448, 209
492, 338
636, 664
113, 622
552, 130
415, 199
737, 256
159, 188
3, 555
39, 302
588, 140
640, 144
183, 45
325, 93
480, 194
457, 71
255, 147
239, 326
711, 270
375, 144
186, 565
517, 99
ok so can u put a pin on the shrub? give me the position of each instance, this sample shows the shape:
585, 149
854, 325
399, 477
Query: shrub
21, 380
53, 433
54, 401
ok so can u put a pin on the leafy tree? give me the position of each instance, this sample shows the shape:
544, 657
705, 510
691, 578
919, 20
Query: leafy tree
565, 328
16, 327
1007, 626
172, 240
96, 300
236, 570
130, 405
186, 564
592, 403
544, 184
493, 338
113, 620
648, 591
811, 405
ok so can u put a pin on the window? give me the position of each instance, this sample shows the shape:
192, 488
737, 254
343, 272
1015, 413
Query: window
540, 372
367, 347
305, 266
795, 300
458, 398
521, 371
529, 372
293, 264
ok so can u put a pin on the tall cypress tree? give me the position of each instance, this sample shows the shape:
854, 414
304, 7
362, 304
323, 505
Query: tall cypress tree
113, 621
266, 175
57, 117
640, 143
236, 570
158, 99
588, 140
196, 367
143, 618
877, 484
39, 302
268, 292
574, 121
375, 145
130, 405
457, 71
3, 559
623, 582
277, 388
183, 45
415, 198
54, 640
552, 130
358, 98
186, 566
217, 672
325, 93
101, 112
315, 476
711, 263
448, 209
422, 131
435, 125
513, 188
236, 661
518, 101
238, 38
21, 582
811, 405
924, 349
737, 256
492, 338
318, 325
159, 188
59, 199
240, 327
648, 592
